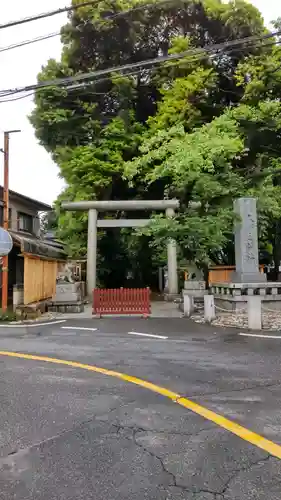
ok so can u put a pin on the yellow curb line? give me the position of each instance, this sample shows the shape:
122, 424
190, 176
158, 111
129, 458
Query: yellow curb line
253, 438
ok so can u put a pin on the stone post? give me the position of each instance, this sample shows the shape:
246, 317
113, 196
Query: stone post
246, 242
188, 305
92, 252
254, 312
209, 308
161, 279
173, 288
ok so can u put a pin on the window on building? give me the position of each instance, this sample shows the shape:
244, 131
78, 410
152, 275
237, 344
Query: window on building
25, 222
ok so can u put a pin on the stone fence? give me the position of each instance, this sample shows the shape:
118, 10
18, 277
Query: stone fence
234, 296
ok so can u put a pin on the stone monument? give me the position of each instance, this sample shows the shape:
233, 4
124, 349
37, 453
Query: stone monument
247, 280
246, 242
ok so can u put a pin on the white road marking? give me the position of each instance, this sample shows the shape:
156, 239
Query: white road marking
33, 325
260, 336
148, 335
78, 328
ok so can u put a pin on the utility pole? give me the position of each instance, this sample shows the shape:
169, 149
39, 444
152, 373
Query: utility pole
5, 260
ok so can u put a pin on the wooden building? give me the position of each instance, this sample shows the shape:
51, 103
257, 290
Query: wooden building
34, 261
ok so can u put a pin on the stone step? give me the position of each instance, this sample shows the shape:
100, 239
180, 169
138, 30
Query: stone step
75, 307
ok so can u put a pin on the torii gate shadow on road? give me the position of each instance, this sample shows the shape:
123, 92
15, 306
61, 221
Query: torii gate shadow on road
93, 207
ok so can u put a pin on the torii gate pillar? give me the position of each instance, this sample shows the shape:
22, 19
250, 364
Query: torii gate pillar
92, 251
173, 286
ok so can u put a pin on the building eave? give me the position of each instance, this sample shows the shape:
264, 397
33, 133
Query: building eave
35, 246
38, 205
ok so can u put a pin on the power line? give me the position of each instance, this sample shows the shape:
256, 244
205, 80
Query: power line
207, 49
43, 15
107, 16
17, 98
32, 93
80, 86
85, 85
28, 42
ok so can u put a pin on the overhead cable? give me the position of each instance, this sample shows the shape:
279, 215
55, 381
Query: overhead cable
106, 16
201, 51
85, 85
28, 42
79, 86
90, 3
51, 13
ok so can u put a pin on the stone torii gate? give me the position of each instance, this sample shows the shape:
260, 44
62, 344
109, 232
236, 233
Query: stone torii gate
94, 223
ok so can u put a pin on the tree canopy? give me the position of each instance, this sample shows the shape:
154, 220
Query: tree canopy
204, 128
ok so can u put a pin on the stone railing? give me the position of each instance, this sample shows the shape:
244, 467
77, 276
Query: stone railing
245, 289
234, 296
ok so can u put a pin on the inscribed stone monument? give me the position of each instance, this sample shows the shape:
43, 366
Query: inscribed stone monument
246, 242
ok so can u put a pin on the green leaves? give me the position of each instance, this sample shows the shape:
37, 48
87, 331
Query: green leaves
197, 235
179, 96
186, 157
260, 75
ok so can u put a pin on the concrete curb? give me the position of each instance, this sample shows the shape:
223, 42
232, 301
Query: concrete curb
31, 324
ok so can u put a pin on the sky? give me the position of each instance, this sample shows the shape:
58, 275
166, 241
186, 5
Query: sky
32, 171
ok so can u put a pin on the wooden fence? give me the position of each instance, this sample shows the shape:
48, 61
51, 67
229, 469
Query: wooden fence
39, 279
222, 274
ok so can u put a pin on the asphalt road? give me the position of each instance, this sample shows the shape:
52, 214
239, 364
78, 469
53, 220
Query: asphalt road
69, 433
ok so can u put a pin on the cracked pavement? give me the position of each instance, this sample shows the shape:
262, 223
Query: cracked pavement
66, 433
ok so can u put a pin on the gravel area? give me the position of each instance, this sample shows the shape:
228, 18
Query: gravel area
270, 320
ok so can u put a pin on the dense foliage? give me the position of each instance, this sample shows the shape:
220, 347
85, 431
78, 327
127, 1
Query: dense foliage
203, 129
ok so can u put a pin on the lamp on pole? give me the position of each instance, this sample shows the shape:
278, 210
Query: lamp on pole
6, 215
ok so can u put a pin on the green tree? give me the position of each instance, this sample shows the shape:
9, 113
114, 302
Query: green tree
94, 130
